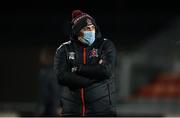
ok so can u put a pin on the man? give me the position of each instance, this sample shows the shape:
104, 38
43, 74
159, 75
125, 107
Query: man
84, 66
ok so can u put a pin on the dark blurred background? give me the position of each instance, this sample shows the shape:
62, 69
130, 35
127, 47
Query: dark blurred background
145, 33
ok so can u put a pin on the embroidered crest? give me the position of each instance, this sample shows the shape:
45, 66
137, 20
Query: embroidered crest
71, 55
89, 22
94, 53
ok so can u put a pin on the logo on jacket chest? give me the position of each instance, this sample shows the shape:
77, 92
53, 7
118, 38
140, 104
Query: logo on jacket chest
93, 53
71, 55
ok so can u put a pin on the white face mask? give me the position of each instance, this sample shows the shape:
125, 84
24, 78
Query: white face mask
88, 37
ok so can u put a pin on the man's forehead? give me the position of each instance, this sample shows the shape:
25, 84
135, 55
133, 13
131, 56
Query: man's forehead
89, 26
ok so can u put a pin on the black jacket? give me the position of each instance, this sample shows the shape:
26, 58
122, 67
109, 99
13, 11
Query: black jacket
90, 90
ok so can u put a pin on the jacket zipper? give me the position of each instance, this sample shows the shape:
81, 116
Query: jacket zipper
82, 89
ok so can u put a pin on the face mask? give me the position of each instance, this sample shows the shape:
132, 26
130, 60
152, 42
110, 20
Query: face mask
88, 38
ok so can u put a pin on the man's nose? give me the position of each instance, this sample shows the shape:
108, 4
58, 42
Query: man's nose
91, 29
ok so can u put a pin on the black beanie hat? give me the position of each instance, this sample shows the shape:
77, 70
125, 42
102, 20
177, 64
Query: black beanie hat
80, 20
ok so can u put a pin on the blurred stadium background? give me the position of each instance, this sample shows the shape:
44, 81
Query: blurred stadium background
146, 35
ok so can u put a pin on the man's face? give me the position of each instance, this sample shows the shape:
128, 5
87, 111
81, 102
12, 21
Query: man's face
87, 28
87, 35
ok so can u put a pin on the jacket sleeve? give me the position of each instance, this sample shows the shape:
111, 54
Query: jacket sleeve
103, 70
64, 75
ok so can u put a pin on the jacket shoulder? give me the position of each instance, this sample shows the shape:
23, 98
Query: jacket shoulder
108, 44
107, 41
63, 44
